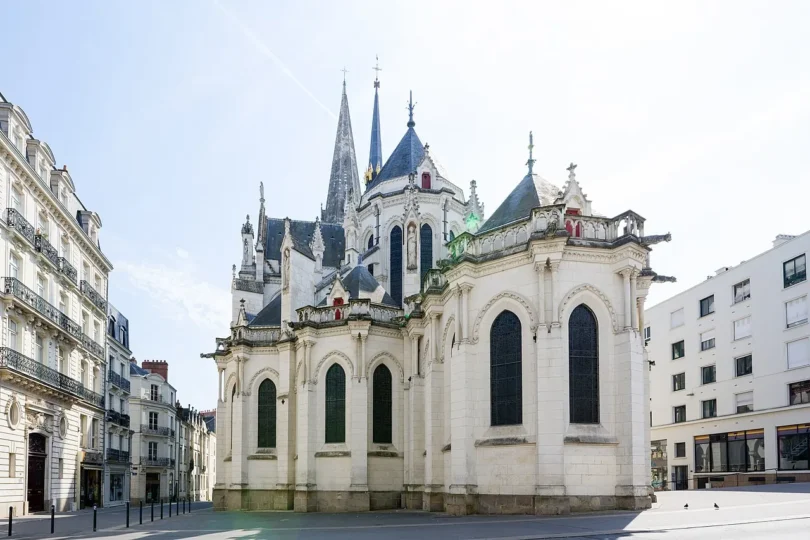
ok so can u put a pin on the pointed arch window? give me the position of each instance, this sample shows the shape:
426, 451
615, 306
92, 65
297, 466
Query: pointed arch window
230, 427
506, 370
425, 250
425, 180
370, 242
267, 414
335, 405
583, 366
383, 404
396, 264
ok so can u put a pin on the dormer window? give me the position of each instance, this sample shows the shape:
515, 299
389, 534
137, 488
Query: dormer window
425, 180
337, 301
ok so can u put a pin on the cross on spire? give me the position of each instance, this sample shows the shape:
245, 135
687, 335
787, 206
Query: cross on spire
571, 168
531, 161
411, 106
345, 71
378, 69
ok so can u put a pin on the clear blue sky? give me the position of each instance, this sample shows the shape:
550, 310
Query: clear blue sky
168, 114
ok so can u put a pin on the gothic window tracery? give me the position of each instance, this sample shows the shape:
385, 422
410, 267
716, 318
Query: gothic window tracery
267, 414
425, 250
506, 370
583, 366
335, 405
396, 264
383, 403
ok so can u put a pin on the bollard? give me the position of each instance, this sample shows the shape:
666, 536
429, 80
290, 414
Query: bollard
184, 506
170, 507
53, 512
177, 506
127, 514
10, 513
189, 506
140, 519
153, 510
161, 508
94, 518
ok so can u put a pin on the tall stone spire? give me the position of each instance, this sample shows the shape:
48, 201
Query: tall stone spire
375, 153
344, 181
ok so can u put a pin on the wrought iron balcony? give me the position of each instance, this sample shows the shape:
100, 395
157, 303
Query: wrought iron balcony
16, 221
15, 287
118, 380
118, 418
121, 456
42, 245
94, 296
67, 269
156, 461
94, 348
161, 431
158, 398
12, 360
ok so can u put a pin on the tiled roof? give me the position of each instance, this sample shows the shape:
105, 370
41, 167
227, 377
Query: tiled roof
333, 238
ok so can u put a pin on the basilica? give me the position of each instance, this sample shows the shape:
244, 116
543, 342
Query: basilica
405, 350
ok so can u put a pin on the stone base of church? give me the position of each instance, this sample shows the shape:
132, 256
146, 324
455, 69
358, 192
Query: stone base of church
253, 499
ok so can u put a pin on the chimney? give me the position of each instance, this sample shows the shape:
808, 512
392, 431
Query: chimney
782, 238
721, 270
161, 367
133, 360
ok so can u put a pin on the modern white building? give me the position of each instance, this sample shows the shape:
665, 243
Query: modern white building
731, 382
52, 355
154, 425
118, 431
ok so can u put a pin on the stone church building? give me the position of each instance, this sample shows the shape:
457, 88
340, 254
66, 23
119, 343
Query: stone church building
404, 350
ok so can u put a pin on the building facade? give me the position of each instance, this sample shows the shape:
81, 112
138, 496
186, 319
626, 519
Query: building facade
196, 441
210, 454
52, 354
117, 462
154, 426
731, 381
402, 351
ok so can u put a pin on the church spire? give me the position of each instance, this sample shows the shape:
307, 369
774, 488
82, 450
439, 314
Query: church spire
375, 152
344, 181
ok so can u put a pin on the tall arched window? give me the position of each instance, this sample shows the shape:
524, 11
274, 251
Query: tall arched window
583, 366
370, 242
335, 405
230, 427
396, 264
425, 250
505, 370
267, 414
383, 403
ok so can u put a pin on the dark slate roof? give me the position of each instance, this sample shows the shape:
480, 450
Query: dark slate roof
531, 192
343, 178
270, 315
404, 159
210, 423
135, 369
334, 240
360, 279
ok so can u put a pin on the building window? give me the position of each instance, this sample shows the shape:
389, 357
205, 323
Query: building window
12, 334
679, 413
744, 365
40, 348
796, 311
799, 392
42, 287
425, 250
583, 366
153, 420
678, 382
677, 350
381, 431
647, 333
709, 408
707, 306
738, 451
83, 428
676, 318
153, 392
506, 370
153, 450
335, 405
794, 447
680, 449
798, 353
396, 264
425, 180
707, 340
744, 402
795, 271
708, 374
14, 267
742, 328
742, 291
267, 414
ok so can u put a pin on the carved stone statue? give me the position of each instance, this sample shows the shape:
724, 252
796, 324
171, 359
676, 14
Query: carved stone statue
285, 273
412, 247
245, 252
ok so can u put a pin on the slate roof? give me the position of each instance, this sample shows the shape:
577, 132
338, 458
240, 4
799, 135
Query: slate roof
334, 240
270, 315
531, 192
210, 423
135, 369
360, 279
403, 160
343, 178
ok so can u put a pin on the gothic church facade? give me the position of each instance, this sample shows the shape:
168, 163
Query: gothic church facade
402, 351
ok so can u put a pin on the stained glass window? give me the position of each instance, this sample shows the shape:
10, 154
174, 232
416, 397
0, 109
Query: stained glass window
381, 428
335, 405
396, 264
267, 414
583, 366
505, 371
425, 250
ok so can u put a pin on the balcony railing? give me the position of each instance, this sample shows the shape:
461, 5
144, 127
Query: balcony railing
16, 288
360, 308
156, 461
118, 380
42, 245
16, 221
67, 269
11, 359
91, 345
158, 398
118, 418
121, 456
93, 295
161, 431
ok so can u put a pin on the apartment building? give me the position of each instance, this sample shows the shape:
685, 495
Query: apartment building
52, 355
196, 442
117, 427
730, 383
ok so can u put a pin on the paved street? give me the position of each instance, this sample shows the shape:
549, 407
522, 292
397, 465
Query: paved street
753, 513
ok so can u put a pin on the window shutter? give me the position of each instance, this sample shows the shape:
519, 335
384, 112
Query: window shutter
706, 336
676, 318
742, 328
798, 353
796, 311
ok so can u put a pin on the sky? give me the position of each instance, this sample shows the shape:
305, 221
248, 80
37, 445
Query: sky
696, 115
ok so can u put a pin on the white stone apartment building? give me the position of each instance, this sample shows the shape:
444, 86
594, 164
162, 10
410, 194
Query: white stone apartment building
731, 382
196, 442
52, 362
117, 462
210, 453
153, 421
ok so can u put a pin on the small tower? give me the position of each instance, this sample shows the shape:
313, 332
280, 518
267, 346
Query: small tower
351, 228
317, 246
247, 246
474, 216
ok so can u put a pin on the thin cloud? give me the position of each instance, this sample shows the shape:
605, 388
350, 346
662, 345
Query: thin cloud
265, 50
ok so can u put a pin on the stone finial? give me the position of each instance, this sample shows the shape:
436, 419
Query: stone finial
572, 175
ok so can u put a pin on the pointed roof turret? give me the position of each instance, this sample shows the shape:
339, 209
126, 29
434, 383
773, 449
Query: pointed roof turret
405, 157
344, 180
375, 152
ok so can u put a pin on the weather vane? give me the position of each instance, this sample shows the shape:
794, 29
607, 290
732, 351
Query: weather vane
378, 69
531, 161
345, 71
411, 106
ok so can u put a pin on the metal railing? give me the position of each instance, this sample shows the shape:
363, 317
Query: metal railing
248, 286
360, 308
67, 269
16, 288
156, 461
118, 380
11, 359
16, 221
42, 245
93, 295
113, 454
91, 345
161, 431
118, 418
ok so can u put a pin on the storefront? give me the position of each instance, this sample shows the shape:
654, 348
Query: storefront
152, 487
658, 464
116, 487
90, 487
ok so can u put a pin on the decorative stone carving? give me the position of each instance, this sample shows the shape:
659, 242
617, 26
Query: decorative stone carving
508, 294
602, 296
327, 357
378, 358
249, 387
412, 256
